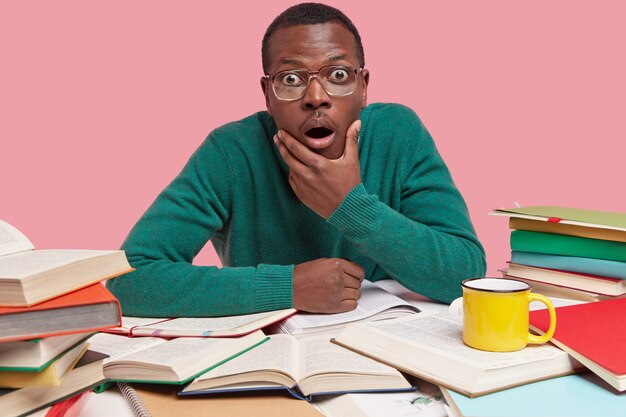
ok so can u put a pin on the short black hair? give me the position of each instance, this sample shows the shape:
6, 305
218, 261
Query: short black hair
309, 14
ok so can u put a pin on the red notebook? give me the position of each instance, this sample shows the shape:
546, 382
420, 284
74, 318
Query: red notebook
89, 309
596, 331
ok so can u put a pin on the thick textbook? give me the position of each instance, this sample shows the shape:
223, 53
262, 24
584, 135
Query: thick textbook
88, 309
305, 367
50, 376
175, 361
594, 334
36, 354
430, 345
375, 304
522, 240
229, 326
579, 395
86, 374
162, 401
583, 282
29, 276
601, 267
568, 216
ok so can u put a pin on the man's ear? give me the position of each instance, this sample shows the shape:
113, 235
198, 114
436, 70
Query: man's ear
266, 92
366, 79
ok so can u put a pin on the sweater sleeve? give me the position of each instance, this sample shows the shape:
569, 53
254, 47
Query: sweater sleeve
163, 243
428, 244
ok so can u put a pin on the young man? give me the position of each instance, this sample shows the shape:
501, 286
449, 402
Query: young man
305, 200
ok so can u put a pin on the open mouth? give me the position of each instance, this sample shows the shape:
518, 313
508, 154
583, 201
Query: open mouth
319, 132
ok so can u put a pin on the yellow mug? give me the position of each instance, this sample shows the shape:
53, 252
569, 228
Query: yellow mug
495, 314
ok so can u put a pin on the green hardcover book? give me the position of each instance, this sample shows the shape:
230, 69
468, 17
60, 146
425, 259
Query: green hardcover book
522, 240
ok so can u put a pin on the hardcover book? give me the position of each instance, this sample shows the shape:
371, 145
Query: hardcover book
85, 310
594, 334
584, 282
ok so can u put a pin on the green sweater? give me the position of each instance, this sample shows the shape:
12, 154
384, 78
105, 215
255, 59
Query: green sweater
405, 221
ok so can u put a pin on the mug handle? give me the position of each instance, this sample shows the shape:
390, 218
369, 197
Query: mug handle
548, 334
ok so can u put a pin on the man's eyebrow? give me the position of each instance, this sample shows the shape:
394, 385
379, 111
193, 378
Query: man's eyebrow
334, 58
297, 62
291, 61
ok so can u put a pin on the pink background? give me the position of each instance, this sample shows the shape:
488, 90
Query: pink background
101, 103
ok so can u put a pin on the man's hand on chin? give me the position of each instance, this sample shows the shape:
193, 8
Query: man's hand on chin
321, 183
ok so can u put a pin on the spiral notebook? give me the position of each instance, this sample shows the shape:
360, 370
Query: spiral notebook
162, 401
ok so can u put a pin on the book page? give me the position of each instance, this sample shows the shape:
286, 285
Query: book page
23, 264
318, 355
128, 323
373, 300
181, 350
12, 240
397, 404
442, 333
416, 300
207, 325
278, 353
119, 346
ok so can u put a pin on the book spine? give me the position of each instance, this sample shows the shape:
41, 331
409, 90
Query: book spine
522, 240
135, 402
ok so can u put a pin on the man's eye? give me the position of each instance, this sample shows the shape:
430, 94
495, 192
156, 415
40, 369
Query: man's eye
291, 79
338, 75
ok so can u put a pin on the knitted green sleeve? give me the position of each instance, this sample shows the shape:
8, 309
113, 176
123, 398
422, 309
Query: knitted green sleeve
162, 245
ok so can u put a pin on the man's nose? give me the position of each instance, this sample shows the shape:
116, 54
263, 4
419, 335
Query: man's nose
315, 96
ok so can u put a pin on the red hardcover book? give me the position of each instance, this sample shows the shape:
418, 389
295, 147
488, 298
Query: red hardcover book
594, 334
88, 309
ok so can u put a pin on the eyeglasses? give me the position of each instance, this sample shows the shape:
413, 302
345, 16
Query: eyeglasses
337, 80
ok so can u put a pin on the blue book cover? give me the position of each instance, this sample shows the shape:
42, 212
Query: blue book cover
579, 395
601, 267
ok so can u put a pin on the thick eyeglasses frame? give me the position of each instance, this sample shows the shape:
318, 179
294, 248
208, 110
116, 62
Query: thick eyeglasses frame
312, 74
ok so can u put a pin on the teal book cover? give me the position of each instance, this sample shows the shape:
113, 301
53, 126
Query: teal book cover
579, 395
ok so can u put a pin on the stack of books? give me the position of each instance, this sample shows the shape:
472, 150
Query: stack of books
51, 302
568, 253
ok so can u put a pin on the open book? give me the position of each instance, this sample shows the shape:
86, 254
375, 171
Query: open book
228, 326
430, 345
29, 276
306, 367
375, 304
176, 361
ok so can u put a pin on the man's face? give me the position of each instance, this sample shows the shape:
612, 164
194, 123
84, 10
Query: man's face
318, 120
